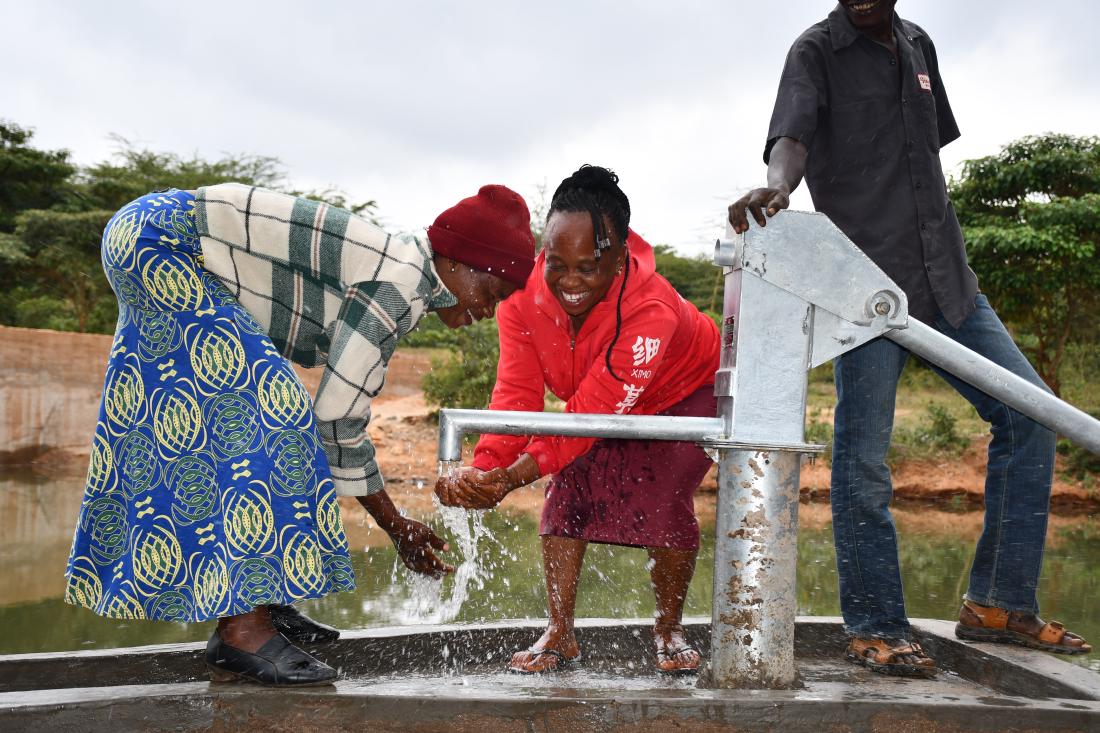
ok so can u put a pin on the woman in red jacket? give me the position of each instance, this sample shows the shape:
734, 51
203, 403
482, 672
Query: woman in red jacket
598, 327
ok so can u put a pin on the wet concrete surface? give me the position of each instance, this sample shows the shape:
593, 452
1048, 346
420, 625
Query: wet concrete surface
451, 678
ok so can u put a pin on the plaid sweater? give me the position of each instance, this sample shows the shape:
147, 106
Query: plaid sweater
329, 288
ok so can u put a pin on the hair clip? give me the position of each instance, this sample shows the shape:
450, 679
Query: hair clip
598, 228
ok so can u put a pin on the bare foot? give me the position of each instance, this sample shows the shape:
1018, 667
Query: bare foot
247, 632
674, 654
556, 646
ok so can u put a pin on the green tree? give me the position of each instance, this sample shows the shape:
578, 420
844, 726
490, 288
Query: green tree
29, 178
60, 282
695, 278
134, 171
52, 216
1031, 217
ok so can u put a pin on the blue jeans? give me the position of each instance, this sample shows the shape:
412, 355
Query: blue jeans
1009, 555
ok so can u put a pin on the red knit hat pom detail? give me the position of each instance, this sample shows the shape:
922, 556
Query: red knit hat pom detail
490, 232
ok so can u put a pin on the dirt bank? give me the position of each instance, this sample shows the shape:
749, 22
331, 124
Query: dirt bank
46, 395
51, 383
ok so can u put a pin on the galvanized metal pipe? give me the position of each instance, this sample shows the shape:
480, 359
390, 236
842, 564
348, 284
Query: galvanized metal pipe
453, 424
996, 381
755, 560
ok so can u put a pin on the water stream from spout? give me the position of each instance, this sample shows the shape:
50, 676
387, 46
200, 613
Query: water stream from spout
437, 600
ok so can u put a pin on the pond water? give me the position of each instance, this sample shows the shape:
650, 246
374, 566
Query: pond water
36, 526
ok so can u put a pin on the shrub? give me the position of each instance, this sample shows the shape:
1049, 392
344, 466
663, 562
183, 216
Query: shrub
1031, 217
940, 432
466, 379
1079, 462
432, 333
936, 435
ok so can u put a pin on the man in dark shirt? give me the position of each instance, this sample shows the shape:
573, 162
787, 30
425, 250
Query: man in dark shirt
862, 113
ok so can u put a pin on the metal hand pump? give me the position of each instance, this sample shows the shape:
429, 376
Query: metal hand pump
797, 294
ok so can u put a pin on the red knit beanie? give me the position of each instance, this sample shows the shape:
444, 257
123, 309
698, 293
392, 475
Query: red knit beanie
490, 232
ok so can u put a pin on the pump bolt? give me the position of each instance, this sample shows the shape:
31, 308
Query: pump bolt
882, 308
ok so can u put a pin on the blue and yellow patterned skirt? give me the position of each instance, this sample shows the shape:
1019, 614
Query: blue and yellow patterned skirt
208, 491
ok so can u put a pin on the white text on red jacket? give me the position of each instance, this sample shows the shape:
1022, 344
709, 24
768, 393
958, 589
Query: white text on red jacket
630, 399
645, 349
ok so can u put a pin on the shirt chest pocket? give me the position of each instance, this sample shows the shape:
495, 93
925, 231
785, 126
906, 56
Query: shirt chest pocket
864, 135
926, 108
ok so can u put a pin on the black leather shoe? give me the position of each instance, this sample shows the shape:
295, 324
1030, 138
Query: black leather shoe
298, 627
277, 663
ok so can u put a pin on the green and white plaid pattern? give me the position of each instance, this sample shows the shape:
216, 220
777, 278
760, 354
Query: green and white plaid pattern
328, 287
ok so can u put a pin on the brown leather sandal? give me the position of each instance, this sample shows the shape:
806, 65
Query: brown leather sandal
897, 657
989, 624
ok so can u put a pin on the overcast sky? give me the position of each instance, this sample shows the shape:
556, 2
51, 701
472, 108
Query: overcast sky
416, 104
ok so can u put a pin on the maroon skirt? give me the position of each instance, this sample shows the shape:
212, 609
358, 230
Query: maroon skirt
633, 492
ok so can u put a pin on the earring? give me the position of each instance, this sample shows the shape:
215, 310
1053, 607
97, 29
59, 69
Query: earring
453, 265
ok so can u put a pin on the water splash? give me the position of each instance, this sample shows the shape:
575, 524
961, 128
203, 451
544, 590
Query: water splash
439, 600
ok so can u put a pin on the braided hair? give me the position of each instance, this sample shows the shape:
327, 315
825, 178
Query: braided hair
596, 190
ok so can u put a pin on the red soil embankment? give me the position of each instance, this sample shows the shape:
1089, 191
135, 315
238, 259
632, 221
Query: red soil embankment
51, 383
50, 386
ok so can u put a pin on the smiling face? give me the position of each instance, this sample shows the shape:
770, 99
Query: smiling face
576, 278
869, 15
478, 292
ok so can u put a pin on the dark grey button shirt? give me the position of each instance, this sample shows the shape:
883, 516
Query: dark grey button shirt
874, 126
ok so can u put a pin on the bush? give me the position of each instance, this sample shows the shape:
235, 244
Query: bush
432, 333
1079, 463
940, 432
466, 379
695, 278
936, 435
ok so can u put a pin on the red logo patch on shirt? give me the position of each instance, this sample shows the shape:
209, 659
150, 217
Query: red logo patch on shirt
925, 82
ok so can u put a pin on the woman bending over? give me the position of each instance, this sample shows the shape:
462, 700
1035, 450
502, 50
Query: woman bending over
211, 492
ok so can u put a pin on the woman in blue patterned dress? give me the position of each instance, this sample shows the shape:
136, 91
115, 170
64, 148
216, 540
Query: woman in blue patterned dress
212, 485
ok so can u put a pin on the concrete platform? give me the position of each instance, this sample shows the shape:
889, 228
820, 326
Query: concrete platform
449, 678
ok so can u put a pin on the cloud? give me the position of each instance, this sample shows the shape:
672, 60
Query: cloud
416, 104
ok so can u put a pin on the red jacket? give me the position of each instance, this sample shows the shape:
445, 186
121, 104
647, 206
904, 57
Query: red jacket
666, 350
